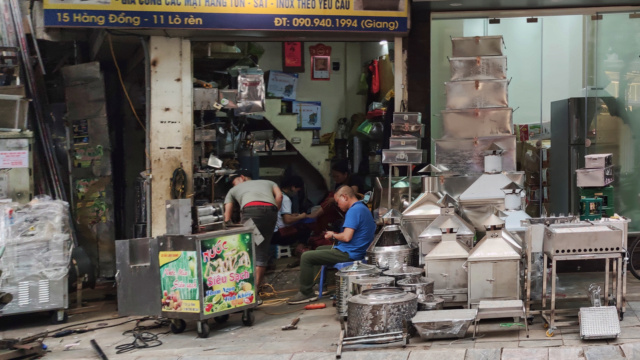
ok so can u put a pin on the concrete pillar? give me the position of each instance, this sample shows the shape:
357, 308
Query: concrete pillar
171, 121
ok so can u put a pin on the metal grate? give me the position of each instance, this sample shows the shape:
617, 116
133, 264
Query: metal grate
23, 293
599, 323
43, 291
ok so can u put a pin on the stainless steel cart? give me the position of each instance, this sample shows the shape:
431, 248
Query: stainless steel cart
198, 277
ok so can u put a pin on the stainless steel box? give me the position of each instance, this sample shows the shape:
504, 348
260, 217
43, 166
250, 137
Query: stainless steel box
404, 142
270, 145
594, 177
466, 156
401, 156
572, 240
407, 130
476, 46
477, 94
204, 99
472, 123
478, 68
596, 161
413, 118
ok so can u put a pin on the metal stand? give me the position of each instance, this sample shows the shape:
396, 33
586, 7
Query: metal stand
616, 296
495, 309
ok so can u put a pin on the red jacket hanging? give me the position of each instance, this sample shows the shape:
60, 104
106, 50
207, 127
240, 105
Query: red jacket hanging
375, 77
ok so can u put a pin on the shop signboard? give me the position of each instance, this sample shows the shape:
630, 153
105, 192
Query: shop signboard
227, 273
374, 16
179, 281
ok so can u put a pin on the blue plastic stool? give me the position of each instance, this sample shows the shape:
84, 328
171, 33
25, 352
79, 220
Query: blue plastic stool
337, 266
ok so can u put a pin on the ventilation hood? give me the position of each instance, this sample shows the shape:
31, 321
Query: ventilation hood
448, 248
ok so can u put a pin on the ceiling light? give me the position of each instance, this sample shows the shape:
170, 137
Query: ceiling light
383, 42
455, 4
494, 21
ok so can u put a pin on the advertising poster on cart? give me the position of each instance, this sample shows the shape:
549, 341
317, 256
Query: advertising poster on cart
179, 281
227, 273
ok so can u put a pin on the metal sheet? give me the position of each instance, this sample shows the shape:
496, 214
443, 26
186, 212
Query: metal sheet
399, 191
465, 156
477, 94
449, 275
599, 323
494, 247
179, 216
138, 277
477, 46
407, 118
472, 123
478, 68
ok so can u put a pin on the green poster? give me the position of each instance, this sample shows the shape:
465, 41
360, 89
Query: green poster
227, 266
179, 281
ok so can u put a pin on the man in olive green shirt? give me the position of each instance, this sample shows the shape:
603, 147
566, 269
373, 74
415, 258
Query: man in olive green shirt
260, 201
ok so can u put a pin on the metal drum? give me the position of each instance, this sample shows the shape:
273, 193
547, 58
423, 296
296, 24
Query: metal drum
367, 283
420, 286
405, 271
380, 311
343, 282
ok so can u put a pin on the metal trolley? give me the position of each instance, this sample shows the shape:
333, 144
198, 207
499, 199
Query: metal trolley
197, 277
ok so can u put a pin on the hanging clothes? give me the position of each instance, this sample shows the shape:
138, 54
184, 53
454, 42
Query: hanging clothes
375, 77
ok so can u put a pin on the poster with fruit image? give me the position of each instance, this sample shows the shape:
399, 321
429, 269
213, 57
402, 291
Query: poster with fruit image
227, 273
179, 281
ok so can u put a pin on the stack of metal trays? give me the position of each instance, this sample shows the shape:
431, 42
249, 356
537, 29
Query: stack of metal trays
405, 141
599, 323
477, 106
443, 324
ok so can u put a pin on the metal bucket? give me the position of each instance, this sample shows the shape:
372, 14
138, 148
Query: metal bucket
343, 282
368, 283
404, 272
379, 311
430, 302
421, 286
477, 94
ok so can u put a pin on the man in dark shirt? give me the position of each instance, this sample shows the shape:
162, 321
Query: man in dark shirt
352, 243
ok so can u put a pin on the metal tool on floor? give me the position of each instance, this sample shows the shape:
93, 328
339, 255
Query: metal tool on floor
293, 324
372, 341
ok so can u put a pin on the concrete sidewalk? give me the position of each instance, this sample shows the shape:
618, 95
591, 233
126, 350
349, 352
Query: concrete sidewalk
317, 336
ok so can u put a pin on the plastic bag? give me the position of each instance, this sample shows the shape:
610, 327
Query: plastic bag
363, 87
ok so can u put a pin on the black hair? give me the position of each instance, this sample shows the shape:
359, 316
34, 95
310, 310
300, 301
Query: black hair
294, 180
341, 166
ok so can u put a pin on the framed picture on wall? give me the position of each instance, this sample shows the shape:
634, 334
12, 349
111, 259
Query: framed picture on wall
320, 69
293, 57
309, 114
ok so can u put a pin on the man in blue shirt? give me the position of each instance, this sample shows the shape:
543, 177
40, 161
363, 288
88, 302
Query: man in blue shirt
352, 243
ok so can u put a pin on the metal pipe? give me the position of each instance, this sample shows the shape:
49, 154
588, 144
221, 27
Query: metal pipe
377, 340
373, 336
147, 84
